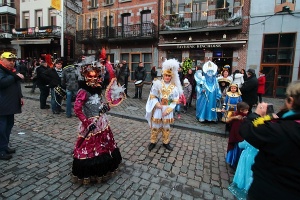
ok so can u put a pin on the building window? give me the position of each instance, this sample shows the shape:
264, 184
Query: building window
7, 23
39, 18
284, 6
277, 62
94, 3
224, 9
126, 25
177, 54
108, 2
52, 17
25, 23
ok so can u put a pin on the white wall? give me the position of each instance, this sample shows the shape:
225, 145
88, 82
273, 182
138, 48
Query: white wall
31, 6
263, 20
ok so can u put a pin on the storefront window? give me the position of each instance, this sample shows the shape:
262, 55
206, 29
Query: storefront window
198, 57
177, 54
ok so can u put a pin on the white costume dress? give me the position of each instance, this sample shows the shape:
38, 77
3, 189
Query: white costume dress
167, 94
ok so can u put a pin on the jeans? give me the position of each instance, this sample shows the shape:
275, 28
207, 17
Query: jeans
69, 102
6, 124
55, 101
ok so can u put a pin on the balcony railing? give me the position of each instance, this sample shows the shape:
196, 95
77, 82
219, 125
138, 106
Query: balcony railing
144, 30
37, 32
194, 20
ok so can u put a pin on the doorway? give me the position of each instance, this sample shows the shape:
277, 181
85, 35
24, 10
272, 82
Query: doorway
277, 79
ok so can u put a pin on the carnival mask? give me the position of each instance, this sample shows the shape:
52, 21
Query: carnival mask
92, 76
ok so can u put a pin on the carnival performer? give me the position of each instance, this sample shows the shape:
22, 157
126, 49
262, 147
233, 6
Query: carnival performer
208, 93
164, 96
224, 81
96, 154
232, 98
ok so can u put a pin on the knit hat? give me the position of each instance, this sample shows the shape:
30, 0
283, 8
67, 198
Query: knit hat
186, 81
251, 71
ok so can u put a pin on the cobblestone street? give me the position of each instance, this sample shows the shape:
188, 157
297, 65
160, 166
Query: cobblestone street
40, 169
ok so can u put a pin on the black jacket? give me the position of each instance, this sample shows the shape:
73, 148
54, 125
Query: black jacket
276, 170
249, 90
10, 92
140, 73
47, 77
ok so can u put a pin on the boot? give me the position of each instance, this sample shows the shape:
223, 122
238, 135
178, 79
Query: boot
151, 146
5, 156
167, 146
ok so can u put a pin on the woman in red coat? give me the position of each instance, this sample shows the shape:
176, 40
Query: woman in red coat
261, 85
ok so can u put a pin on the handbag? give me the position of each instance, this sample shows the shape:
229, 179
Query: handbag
60, 91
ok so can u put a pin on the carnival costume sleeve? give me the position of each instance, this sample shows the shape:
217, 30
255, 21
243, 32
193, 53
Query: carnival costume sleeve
153, 99
81, 98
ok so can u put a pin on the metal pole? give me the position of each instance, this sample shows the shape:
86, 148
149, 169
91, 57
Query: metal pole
62, 29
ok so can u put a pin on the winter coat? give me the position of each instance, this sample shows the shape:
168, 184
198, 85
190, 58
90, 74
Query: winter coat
70, 78
249, 90
140, 74
238, 79
276, 173
261, 84
10, 92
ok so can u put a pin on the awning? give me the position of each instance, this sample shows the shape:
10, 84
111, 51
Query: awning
33, 41
199, 45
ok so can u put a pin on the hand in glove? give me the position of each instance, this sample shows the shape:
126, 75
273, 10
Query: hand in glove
92, 127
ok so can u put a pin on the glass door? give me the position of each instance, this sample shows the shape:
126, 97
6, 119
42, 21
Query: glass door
277, 79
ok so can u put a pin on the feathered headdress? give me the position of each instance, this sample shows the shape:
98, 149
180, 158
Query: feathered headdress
107, 64
170, 67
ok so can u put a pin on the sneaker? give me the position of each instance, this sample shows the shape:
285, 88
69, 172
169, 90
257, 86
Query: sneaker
5, 156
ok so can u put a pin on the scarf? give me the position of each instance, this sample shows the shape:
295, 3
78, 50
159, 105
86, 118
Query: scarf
7, 68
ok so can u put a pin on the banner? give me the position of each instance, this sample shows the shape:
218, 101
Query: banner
56, 4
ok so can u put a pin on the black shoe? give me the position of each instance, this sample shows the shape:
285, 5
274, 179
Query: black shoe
56, 112
61, 110
45, 107
151, 146
140, 97
127, 96
167, 146
5, 156
134, 97
10, 150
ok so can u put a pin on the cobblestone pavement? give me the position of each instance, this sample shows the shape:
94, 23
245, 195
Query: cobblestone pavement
135, 109
40, 169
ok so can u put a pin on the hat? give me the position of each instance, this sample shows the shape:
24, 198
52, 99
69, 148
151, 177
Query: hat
170, 67
251, 71
186, 81
8, 55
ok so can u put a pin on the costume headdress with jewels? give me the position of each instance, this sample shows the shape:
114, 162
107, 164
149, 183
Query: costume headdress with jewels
210, 66
170, 67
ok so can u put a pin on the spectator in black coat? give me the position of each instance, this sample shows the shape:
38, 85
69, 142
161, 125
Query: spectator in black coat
249, 89
42, 81
139, 75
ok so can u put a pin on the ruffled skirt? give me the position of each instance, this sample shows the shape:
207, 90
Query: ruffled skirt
95, 156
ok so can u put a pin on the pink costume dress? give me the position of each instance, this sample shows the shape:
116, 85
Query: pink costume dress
96, 152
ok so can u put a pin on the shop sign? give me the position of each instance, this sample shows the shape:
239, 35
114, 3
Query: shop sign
197, 46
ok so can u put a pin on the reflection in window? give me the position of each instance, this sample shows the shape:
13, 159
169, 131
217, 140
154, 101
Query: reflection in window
287, 40
285, 55
270, 56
